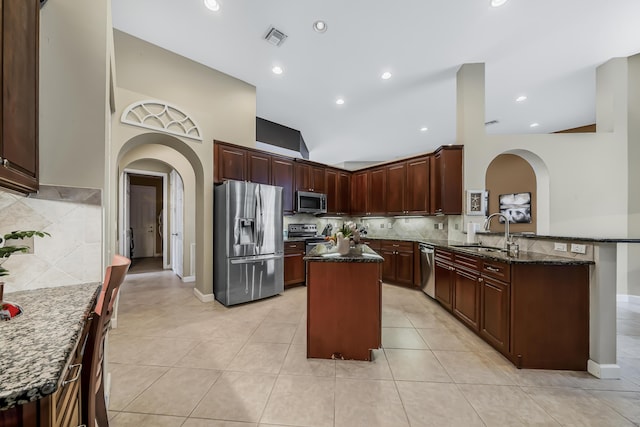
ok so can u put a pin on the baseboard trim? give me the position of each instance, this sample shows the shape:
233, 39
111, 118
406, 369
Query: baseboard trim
603, 371
203, 297
633, 299
188, 279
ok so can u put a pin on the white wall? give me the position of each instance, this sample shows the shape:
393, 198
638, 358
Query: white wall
588, 183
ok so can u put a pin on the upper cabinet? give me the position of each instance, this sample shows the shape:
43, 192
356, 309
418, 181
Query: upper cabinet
338, 189
282, 175
446, 180
310, 177
429, 184
19, 21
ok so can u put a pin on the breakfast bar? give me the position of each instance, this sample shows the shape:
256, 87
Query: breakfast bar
344, 303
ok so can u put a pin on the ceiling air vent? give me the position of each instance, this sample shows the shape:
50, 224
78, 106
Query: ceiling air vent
491, 122
275, 36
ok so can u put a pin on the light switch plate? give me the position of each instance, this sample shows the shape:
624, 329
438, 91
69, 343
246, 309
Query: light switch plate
560, 247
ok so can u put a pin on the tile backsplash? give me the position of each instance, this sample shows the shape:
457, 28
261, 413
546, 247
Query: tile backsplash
73, 253
433, 227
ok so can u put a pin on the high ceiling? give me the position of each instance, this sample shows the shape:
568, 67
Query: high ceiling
546, 50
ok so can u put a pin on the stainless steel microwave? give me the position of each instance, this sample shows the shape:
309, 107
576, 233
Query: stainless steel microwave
313, 203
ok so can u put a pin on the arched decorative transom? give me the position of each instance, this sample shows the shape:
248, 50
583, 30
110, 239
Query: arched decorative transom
163, 117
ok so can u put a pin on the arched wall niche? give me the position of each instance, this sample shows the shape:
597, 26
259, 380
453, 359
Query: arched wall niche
520, 171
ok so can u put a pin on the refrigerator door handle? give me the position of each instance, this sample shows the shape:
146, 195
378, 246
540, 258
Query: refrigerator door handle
258, 258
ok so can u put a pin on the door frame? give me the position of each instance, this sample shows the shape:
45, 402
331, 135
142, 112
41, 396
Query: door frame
123, 210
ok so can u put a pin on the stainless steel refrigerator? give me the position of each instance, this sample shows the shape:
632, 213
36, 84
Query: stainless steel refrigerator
248, 248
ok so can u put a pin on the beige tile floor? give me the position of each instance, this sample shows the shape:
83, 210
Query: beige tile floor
177, 362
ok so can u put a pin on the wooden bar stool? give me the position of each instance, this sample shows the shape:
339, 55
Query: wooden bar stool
93, 403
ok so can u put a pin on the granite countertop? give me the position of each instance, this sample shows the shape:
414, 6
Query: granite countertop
358, 253
522, 257
36, 346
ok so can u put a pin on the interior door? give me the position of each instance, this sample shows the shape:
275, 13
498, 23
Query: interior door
142, 212
177, 216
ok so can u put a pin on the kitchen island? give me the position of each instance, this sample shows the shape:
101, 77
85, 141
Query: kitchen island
344, 303
40, 352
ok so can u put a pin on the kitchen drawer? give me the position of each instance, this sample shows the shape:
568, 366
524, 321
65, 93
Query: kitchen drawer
396, 245
466, 261
294, 247
444, 256
497, 269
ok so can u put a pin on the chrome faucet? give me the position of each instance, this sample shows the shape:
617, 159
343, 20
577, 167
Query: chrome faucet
509, 246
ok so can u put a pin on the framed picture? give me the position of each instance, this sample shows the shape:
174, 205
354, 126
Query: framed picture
516, 207
477, 202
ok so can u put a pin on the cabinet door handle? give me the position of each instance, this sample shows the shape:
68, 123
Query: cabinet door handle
480, 279
395, 246
494, 269
74, 379
5, 163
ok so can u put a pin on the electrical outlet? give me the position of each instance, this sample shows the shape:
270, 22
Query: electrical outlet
439, 226
381, 225
560, 247
578, 249
456, 226
435, 226
388, 225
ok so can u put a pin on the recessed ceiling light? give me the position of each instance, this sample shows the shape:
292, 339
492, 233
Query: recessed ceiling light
424, 129
521, 98
497, 3
339, 101
386, 75
534, 125
277, 70
212, 5
320, 26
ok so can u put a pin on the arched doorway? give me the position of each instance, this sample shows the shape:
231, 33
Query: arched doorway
182, 158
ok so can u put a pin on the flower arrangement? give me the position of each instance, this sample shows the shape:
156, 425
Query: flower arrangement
348, 230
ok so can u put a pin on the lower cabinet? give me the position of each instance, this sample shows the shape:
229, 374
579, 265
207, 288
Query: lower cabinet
494, 312
537, 315
294, 263
398, 263
444, 274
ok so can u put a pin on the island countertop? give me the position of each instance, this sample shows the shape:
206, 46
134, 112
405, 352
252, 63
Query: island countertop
357, 253
36, 346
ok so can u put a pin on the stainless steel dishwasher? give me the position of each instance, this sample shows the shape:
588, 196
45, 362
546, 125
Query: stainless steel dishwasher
427, 276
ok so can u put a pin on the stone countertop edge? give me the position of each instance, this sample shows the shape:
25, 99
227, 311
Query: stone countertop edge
36, 347
522, 258
543, 237
359, 253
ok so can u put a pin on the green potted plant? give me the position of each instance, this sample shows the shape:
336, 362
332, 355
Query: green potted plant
7, 311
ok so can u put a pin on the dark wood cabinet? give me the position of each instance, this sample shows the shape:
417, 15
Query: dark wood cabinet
422, 185
446, 182
19, 51
338, 190
344, 310
537, 315
294, 272
259, 167
444, 274
466, 297
376, 196
309, 177
407, 188
230, 162
396, 188
282, 175
417, 188
494, 311
359, 193
398, 265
